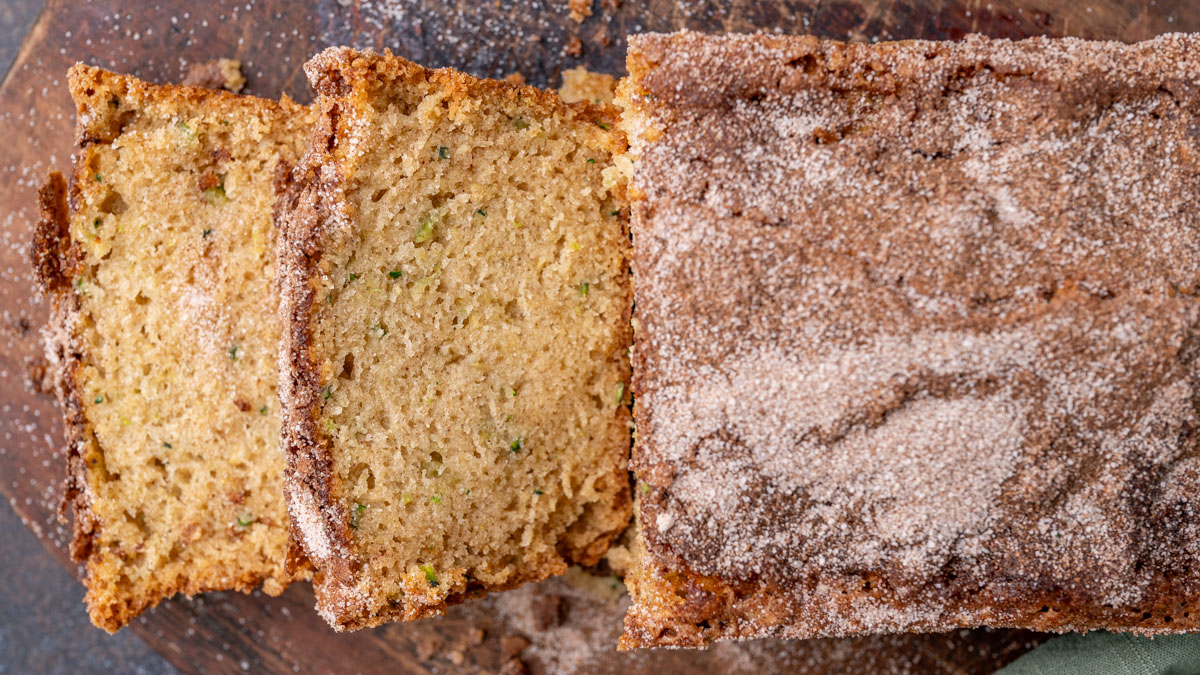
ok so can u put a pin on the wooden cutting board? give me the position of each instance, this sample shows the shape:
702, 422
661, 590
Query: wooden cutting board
557, 626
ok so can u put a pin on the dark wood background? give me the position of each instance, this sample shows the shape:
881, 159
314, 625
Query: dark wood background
551, 627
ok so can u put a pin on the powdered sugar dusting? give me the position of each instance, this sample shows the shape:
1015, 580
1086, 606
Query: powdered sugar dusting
306, 515
199, 308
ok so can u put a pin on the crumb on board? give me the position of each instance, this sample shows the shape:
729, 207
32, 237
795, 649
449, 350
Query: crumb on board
579, 9
581, 84
573, 47
217, 74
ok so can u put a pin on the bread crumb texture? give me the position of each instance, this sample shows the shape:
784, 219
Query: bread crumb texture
915, 337
166, 339
456, 277
219, 74
581, 84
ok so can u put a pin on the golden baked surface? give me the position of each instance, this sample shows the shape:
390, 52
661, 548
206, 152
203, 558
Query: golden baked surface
457, 291
165, 334
916, 335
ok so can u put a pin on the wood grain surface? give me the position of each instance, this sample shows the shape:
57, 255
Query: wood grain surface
550, 627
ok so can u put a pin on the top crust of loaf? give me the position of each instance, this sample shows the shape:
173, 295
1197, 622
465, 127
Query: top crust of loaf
313, 212
937, 366
105, 102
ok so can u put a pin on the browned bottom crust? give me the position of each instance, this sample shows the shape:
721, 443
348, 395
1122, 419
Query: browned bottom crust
682, 609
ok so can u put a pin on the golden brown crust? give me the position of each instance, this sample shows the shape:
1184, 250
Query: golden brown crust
54, 257
315, 206
51, 240
100, 97
940, 436
310, 478
354, 77
106, 102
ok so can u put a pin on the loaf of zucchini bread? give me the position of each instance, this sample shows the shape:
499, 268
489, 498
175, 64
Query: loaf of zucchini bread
916, 336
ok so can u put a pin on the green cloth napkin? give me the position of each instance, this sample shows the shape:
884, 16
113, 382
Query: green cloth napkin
1100, 653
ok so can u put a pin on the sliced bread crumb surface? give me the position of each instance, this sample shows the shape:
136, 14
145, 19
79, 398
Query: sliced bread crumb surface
455, 281
164, 335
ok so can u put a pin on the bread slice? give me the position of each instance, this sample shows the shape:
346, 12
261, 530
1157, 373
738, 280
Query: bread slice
916, 336
165, 335
456, 287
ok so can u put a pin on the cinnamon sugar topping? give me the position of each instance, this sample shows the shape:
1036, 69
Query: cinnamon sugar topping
918, 316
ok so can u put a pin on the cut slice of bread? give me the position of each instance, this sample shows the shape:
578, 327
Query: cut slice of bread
165, 334
456, 287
